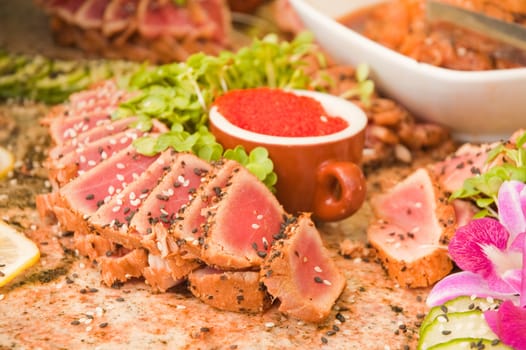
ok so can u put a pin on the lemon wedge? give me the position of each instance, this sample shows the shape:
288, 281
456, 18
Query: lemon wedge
17, 253
7, 162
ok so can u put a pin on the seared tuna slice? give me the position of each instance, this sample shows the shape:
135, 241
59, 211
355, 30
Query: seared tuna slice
171, 194
99, 132
62, 129
80, 198
300, 272
190, 229
239, 291
113, 218
120, 268
164, 273
85, 157
468, 161
414, 223
92, 135
104, 96
93, 246
240, 227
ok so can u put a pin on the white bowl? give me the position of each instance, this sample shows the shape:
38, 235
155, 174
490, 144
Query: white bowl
475, 105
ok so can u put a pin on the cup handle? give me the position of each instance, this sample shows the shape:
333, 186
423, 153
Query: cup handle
340, 190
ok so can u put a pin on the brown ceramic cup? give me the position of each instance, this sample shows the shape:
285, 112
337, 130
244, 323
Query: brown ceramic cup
319, 174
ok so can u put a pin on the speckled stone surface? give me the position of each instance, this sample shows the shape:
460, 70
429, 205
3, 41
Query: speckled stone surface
61, 304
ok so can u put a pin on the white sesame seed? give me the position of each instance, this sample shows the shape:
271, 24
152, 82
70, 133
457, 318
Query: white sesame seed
81, 265
180, 307
89, 328
305, 259
327, 282
418, 205
135, 202
269, 324
132, 195
317, 269
255, 226
99, 311
116, 208
259, 217
111, 190
92, 162
120, 177
82, 159
103, 155
2, 296
120, 166
324, 119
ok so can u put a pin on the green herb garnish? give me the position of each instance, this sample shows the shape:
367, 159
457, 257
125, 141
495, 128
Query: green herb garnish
180, 94
483, 189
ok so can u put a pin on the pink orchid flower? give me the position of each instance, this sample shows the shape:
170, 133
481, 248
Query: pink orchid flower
492, 255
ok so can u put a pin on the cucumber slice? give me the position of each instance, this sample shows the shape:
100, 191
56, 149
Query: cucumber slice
460, 304
470, 344
453, 325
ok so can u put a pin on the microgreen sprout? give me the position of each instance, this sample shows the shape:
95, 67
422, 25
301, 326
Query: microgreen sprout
483, 188
365, 86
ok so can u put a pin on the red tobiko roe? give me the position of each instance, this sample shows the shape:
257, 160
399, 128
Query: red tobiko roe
277, 112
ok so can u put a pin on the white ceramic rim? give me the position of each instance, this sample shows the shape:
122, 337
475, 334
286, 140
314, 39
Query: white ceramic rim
439, 73
337, 106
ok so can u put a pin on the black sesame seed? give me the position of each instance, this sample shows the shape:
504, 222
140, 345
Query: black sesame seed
90, 196
324, 340
75, 322
446, 332
120, 299
103, 325
318, 279
340, 317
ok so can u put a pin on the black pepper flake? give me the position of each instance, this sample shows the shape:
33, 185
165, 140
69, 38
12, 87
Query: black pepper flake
162, 197
397, 308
